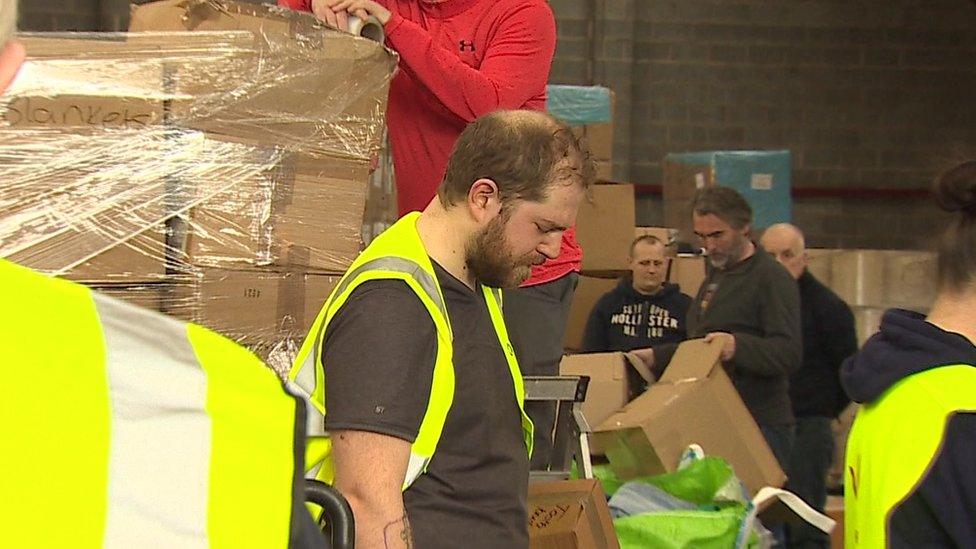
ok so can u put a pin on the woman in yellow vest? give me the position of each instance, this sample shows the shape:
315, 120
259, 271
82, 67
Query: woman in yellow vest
414, 391
910, 479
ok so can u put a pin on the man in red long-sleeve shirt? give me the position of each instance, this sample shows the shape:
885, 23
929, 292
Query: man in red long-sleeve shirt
459, 60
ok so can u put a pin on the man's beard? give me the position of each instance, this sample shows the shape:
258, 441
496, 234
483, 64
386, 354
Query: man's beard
726, 260
491, 262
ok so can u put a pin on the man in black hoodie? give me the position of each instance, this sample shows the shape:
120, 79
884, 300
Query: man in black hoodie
910, 480
829, 337
643, 310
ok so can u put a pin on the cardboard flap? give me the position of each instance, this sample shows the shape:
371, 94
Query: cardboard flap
655, 399
640, 367
694, 359
595, 365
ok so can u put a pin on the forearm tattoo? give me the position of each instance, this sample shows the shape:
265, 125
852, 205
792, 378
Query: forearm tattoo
398, 533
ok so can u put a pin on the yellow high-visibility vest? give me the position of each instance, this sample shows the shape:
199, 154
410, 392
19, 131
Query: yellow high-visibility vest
396, 254
121, 427
893, 442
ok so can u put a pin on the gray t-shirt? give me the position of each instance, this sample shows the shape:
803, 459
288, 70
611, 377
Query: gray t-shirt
379, 355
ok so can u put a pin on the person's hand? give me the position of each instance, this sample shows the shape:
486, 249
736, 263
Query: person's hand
726, 340
362, 9
326, 11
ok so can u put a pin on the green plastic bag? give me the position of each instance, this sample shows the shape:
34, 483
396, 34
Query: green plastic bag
681, 529
705, 481
709, 483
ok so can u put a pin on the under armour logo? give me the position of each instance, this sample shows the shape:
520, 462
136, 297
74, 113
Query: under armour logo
465, 45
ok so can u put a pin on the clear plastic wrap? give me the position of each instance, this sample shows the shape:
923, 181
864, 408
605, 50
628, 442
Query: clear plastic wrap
217, 176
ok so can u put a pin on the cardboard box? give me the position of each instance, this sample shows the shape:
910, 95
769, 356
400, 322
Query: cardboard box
599, 137
147, 296
761, 177
589, 290
253, 306
588, 110
819, 261
304, 213
878, 278
604, 171
336, 83
911, 279
610, 387
694, 402
605, 227
139, 259
867, 322
688, 272
858, 277
88, 208
615, 379
570, 514
286, 87
677, 214
682, 180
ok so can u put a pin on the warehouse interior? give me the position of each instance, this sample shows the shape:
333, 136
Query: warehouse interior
234, 174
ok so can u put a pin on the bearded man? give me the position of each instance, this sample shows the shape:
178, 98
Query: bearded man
409, 361
751, 305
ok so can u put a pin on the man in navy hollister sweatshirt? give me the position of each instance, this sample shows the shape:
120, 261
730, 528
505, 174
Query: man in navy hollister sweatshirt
643, 310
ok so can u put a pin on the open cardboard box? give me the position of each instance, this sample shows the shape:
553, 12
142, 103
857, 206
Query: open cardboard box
570, 514
693, 402
615, 378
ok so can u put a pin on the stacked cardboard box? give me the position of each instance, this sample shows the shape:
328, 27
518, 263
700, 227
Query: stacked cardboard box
220, 172
762, 177
871, 281
589, 111
605, 228
688, 272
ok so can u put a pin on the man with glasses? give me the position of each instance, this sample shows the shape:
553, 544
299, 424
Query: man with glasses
750, 304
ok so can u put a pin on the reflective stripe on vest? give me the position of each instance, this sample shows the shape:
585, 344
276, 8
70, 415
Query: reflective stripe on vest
396, 254
885, 465
145, 430
493, 297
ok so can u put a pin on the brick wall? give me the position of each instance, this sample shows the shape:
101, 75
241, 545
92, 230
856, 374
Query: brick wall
871, 94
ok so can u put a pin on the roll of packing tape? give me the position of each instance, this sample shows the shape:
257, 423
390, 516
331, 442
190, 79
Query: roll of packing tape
370, 28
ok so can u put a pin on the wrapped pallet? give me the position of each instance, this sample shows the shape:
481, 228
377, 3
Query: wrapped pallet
191, 170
